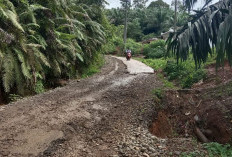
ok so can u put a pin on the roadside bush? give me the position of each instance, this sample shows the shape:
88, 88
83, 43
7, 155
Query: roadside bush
155, 49
114, 46
93, 67
134, 46
158, 92
216, 149
156, 64
184, 73
149, 36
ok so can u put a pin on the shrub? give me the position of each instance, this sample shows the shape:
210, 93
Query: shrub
156, 64
216, 149
39, 87
149, 36
184, 73
159, 92
134, 46
155, 49
114, 46
194, 77
93, 67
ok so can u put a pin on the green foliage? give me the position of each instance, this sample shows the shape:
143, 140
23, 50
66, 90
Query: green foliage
209, 27
155, 49
93, 67
115, 43
155, 19
194, 77
44, 40
39, 87
133, 46
14, 97
135, 30
149, 36
139, 4
192, 154
158, 4
156, 64
166, 83
216, 149
184, 73
158, 92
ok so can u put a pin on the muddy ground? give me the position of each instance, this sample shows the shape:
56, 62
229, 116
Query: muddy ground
108, 114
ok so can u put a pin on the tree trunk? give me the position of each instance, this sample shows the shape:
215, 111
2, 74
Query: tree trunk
175, 18
125, 26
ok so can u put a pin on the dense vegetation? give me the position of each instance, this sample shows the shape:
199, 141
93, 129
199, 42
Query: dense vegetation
44, 40
209, 27
147, 22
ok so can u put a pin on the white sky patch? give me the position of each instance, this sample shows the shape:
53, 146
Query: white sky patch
116, 3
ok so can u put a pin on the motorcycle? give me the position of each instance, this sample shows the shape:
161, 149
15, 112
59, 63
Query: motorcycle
128, 56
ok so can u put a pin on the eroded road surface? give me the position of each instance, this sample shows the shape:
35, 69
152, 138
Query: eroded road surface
105, 115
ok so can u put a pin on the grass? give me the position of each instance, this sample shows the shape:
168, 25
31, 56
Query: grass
212, 150
156, 64
218, 150
192, 154
166, 83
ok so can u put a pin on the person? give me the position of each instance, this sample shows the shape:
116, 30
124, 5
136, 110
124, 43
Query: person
128, 54
128, 51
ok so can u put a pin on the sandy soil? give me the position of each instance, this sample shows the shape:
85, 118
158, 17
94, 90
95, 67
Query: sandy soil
91, 117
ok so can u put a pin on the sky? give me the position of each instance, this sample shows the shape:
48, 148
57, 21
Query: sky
116, 3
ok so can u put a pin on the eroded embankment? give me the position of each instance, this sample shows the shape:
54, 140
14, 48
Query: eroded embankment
203, 113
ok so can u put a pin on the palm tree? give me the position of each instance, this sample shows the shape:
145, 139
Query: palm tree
47, 39
209, 27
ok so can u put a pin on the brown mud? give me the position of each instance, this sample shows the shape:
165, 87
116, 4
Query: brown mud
203, 112
90, 117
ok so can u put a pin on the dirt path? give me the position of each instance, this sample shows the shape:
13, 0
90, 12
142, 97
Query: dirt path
105, 115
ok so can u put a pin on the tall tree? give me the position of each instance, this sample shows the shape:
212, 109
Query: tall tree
158, 4
140, 4
126, 5
46, 39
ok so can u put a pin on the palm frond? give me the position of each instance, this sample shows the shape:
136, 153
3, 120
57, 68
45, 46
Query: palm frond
208, 28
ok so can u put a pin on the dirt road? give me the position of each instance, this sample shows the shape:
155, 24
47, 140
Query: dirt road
104, 115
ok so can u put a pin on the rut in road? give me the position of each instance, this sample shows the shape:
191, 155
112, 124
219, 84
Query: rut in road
86, 118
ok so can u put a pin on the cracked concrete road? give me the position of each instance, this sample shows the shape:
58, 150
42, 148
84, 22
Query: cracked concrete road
136, 67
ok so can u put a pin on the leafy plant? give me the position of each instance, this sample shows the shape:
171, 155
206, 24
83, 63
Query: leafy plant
183, 73
14, 97
47, 39
158, 92
209, 27
157, 64
93, 68
155, 49
39, 87
216, 149
133, 46
192, 154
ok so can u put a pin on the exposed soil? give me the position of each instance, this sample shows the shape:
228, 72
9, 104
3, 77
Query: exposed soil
104, 115
205, 111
